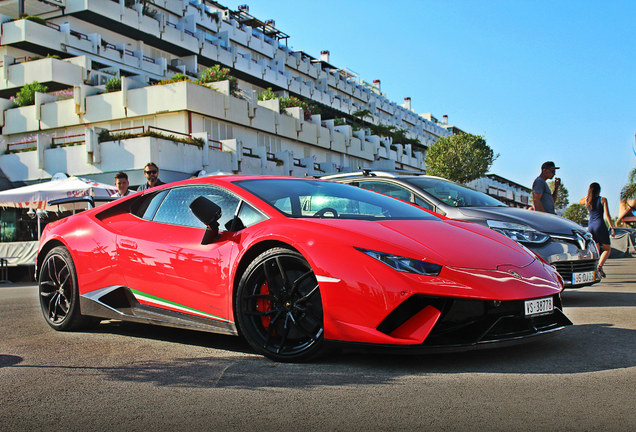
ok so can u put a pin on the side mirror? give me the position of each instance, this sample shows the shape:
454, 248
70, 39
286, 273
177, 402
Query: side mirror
208, 213
234, 225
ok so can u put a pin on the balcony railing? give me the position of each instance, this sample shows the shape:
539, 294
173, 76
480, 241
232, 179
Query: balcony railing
22, 146
216, 145
68, 140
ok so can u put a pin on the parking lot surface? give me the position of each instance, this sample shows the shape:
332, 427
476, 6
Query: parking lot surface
137, 378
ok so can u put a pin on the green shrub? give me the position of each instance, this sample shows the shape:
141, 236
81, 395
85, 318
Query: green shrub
179, 77
26, 96
113, 84
35, 19
266, 94
293, 101
105, 135
217, 73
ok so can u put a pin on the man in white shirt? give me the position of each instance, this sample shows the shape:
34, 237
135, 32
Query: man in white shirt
121, 183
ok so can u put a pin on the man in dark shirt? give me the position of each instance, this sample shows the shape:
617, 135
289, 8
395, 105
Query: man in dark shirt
151, 171
542, 196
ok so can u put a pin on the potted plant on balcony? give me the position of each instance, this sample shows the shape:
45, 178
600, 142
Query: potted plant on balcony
113, 84
26, 95
268, 99
294, 102
216, 74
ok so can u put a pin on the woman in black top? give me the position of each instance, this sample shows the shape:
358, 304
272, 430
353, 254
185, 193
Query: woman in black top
597, 209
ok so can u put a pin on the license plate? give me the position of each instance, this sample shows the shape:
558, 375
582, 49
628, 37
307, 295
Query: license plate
582, 277
539, 306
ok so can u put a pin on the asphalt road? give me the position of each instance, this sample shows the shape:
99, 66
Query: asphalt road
140, 378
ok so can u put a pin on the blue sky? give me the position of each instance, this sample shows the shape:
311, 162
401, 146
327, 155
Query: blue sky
541, 80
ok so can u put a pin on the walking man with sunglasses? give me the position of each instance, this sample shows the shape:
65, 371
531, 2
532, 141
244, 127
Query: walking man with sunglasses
151, 171
543, 197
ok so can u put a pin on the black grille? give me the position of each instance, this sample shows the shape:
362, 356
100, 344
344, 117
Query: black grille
469, 322
566, 268
474, 321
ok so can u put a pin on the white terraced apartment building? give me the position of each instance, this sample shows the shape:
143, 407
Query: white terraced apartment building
82, 44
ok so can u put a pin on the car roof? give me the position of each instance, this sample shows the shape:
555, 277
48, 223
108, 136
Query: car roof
381, 174
231, 178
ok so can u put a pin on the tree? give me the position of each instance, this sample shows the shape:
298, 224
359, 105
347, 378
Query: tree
562, 198
576, 213
629, 190
460, 158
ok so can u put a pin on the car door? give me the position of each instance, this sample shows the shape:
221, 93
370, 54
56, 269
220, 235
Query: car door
164, 262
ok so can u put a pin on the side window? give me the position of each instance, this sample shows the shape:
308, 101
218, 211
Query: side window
148, 205
423, 203
249, 215
175, 209
387, 189
283, 204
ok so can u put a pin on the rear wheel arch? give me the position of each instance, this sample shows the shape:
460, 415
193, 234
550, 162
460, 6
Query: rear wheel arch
46, 248
59, 292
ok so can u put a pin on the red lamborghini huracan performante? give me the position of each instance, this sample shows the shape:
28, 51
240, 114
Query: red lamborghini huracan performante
294, 266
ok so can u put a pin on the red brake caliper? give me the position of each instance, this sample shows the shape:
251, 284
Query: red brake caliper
264, 305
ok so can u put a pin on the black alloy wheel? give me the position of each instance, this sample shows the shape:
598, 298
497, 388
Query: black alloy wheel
279, 307
59, 295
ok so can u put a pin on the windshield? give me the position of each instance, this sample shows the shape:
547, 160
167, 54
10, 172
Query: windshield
300, 198
453, 194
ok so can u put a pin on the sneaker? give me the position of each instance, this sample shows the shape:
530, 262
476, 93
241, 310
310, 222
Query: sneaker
601, 272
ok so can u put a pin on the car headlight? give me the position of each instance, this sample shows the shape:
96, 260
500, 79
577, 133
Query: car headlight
518, 232
404, 264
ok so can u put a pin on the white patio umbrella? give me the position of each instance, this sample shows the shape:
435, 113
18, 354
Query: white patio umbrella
38, 195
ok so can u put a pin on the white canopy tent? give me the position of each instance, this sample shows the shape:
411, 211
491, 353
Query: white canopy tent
37, 196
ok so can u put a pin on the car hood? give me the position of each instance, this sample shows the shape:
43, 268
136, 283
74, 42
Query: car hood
545, 222
450, 243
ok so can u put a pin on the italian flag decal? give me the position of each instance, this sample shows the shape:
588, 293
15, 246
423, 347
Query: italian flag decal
163, 303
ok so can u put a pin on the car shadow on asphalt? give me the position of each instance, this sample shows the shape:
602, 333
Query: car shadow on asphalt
174, 335
574, 298
9, 360
577, 349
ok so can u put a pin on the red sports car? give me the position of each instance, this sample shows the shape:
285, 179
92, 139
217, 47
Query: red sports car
294, 265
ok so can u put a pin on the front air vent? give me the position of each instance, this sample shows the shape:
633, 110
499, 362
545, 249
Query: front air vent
407, 310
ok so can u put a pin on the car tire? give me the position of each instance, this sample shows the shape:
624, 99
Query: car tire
59, 294
278, 307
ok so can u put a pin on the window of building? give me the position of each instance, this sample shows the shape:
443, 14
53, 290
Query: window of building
271, 143
218, 130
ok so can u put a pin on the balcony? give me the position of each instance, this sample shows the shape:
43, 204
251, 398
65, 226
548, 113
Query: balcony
38, 38
171, 37
49, 71
243, 62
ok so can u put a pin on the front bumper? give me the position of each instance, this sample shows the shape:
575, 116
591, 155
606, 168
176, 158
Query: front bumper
466, 324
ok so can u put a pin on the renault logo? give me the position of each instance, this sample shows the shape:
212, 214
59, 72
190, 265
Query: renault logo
581, 240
